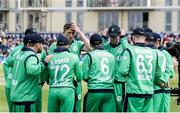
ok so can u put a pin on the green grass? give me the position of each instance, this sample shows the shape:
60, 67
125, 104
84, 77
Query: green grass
3, 102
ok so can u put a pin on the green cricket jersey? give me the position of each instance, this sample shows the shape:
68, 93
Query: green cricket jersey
116, 51
75, 47
139, 64
7, 74
62, 68
8, 69
25, 75
162, 62
98, 69
169, 72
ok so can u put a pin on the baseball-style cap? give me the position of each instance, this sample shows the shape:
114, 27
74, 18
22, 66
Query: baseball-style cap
138, 31
30, 31
149, 36
62, 40
95, 39
157, 37
114, 30
147, 29
33, 38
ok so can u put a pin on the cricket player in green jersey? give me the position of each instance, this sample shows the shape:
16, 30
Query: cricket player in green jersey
8, 70
26, 70
169, 73
138, 64
62, 68
158, 98
116, 46
69, 31
41, 56
98, 67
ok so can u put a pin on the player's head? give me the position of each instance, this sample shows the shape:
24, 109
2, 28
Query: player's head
114, 33
147, 29
157, 39
95, 40
149, 38
62, 41
149, 35
30, 31
68, 32
138, 35
34, 41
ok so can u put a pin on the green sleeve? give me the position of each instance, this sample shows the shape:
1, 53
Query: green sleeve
9, 61
170, 69
124, 63
80, 44
159, 77
169, 72
86, 66
5, 69
33, 67
124, 42
44, 74
51, 48
43, 55
78, 69
17, 48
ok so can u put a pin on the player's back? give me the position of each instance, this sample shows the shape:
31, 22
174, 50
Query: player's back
100, 74
23, 84
142, 70
62, 68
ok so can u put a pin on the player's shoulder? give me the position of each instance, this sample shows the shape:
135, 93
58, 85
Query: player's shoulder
77, 42
107, 54
72, 55
53, 44
106, 45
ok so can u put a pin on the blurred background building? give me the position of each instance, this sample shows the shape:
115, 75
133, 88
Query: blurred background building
90, 15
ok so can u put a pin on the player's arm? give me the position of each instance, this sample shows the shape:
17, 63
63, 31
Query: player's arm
51, 48
5, 69
124, 40
35, 68
9, 61
86, 66
78, 69
82, 36
17, 48
170, 67
159, 73
123, 63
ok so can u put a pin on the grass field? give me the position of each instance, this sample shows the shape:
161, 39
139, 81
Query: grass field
4, 108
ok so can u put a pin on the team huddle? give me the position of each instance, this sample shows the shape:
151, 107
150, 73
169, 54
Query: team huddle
120, 76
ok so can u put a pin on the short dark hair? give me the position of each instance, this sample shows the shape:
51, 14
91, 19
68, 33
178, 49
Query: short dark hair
66, 26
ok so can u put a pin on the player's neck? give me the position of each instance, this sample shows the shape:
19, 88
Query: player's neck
33, 48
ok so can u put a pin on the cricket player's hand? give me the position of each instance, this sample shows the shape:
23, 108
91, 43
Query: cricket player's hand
75, 28
162, 85
48, 58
